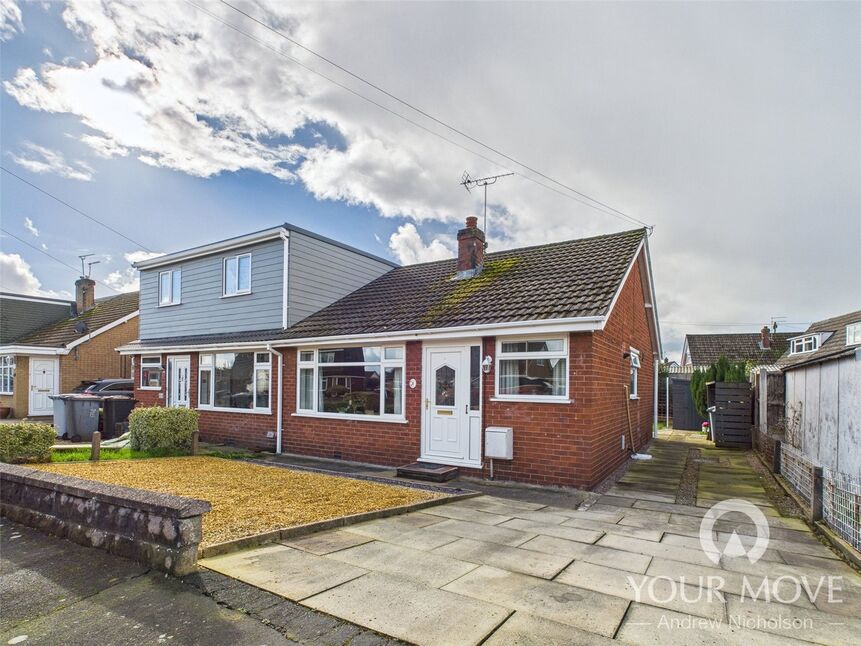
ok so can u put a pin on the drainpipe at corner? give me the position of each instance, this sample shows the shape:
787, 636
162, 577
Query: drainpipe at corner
655, 383
280, 395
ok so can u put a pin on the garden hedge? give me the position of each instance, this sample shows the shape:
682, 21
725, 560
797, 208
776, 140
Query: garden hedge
157, 428
26, 442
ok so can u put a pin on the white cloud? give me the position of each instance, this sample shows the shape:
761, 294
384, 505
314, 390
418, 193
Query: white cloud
28, 224
10, 19
128, 279
407, 245
104, 147
38, 159
17, 276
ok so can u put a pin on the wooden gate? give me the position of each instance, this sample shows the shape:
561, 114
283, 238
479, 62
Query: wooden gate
733, 416
685, 415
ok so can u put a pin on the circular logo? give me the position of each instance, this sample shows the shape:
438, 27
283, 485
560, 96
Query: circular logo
734, 546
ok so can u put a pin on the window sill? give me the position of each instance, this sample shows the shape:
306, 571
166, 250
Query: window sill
243, 411
169, 304
354, 418
5, 393
634, 396
236, 294
149, 388
533, 400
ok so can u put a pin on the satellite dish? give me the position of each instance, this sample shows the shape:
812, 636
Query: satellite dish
81, 327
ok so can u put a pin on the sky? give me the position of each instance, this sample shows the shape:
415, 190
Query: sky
733, 129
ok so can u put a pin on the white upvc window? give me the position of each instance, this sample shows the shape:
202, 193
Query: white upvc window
152, 373
635, 372
361, 382
170, 287
7, 374
237, 275
532, 369
853, 334
235, 381
802, 344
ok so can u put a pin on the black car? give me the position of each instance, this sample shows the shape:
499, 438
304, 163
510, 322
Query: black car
107, 387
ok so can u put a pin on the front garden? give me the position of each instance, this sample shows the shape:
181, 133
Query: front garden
247, 498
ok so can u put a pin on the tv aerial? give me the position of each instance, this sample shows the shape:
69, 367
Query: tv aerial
469, 183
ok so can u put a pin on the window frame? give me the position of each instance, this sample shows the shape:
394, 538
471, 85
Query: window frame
170, 272
238, 292
255, 366
634, 374
314, 365
801, 341
515, 356
7, 372
160, 365
856, 328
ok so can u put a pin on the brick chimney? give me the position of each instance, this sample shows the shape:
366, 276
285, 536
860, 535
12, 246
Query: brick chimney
765, 340
470, 249
85, 294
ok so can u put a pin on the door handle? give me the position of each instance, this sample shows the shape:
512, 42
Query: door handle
427, 403
466, 408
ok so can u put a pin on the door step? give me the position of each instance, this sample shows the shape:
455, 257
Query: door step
427, 471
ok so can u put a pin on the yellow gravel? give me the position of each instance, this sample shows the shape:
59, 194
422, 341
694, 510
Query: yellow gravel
246, 498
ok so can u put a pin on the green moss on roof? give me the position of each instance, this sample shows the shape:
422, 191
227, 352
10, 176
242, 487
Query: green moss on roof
466, 287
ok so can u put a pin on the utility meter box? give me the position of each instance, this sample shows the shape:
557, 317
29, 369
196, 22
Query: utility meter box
499, 442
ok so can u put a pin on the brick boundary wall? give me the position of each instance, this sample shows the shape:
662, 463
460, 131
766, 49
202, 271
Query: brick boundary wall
156, 529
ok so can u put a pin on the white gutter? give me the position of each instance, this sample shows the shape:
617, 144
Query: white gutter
574, 324
280, 407
31, 349
215, 247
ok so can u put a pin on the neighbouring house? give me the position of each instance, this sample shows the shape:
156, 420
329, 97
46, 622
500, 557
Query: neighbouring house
761, 348
286, 341
49, 346
822, 368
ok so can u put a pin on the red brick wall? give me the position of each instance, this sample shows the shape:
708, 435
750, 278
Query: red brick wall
375, 442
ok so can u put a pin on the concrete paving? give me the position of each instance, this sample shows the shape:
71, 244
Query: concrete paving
630, 568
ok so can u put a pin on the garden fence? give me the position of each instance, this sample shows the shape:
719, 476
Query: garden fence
797, 469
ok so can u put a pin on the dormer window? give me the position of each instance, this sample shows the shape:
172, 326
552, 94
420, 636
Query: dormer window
802, 344
237, 275
853, 334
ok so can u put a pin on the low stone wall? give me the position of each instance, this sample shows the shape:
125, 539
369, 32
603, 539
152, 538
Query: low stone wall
153, 528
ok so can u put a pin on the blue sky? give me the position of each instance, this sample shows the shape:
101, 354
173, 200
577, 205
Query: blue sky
732, 128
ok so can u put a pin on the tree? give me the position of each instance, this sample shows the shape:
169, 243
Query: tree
722, 370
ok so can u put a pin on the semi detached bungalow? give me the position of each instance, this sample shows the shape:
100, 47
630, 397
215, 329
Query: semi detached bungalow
290, 342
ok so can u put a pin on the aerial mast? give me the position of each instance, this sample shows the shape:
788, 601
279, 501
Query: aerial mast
469, 183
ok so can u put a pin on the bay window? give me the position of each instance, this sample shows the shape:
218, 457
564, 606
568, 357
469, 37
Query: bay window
235, 381
365, 381
7, 374
152, 373
535, 369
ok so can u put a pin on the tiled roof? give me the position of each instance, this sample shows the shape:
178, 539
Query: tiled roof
577, 278
705, 349
834, 346
21, 315
106, 311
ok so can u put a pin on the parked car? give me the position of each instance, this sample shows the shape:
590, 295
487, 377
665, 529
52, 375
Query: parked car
107, 387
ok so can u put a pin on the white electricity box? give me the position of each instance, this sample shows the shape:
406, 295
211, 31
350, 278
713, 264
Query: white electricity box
499, 442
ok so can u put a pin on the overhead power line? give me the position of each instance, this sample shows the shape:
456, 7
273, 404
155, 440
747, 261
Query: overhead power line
583, 198
76, 210
52, 257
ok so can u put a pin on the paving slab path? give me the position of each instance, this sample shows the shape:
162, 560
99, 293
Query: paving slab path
630, 568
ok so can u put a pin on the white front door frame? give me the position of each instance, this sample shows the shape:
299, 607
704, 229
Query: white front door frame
179, 381
469, 421
44, 381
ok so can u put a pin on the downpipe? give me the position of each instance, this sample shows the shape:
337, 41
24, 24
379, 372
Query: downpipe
280, 406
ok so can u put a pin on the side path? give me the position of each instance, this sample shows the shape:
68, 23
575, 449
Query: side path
53, 591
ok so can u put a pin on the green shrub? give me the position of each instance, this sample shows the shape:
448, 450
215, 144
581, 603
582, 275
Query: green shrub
25, 442
162, 429
723, 370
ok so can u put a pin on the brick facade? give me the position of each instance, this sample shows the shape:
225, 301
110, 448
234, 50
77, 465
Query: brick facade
574, 444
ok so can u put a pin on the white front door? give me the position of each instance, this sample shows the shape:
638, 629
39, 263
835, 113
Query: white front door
44, 375
446, 423
179, 371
